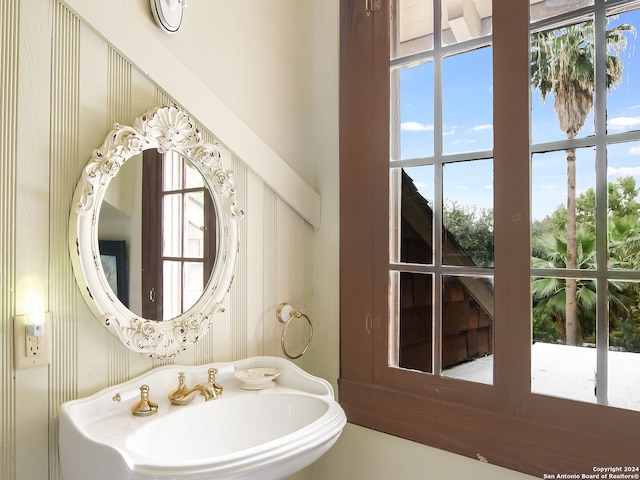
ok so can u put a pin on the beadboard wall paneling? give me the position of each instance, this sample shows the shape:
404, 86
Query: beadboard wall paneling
293, 251
9, 26
238, 295
31, 412
254, 222
270, 327
65, 105
118, 89
118, 111
94, 366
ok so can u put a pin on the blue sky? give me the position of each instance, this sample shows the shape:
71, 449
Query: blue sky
467, 119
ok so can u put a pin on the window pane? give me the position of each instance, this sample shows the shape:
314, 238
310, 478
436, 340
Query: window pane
172, 175
464, 20
559, 109
623, 99
467, 102
416, 224
415, 321
468, 213
624, 345
193, 178
193, 283
467, 328
194, 224
172, 289
549, 180
560, 369
415, 112
414, 28
563, 371
623, 201
541, 9
172, 226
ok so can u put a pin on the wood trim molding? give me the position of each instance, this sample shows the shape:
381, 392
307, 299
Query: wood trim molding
531, 446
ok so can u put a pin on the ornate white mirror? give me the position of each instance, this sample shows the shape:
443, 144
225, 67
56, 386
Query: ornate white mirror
195, 223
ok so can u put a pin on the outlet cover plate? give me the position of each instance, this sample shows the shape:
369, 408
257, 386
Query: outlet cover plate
22, 360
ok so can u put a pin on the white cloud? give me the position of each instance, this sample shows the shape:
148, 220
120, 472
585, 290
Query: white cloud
634, 151
462, 141
415, 127
623, 123
623, 171
479, 128
488, 187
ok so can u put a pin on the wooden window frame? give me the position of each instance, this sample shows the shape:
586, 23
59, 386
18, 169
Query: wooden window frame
152, 220
504, 423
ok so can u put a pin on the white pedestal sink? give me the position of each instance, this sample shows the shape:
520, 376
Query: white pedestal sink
246, 433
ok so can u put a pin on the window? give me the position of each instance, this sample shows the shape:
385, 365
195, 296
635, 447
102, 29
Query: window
458, 119
585, 293
178, 235
441, 172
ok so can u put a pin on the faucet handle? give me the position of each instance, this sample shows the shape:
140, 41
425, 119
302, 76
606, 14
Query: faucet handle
179, 396
144, 407
212, 381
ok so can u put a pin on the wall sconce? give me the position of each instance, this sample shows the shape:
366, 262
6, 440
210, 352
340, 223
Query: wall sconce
32, 347
168, 14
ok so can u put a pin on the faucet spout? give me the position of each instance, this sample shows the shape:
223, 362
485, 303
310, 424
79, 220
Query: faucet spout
209, 389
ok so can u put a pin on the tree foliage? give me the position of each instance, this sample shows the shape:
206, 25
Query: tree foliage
472, 227
549, 251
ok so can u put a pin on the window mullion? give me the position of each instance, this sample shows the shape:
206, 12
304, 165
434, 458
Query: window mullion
438, 200
437, 260
511, 87
602, 304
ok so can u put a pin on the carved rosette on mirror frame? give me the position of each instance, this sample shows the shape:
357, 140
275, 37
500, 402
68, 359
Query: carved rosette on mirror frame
166, 128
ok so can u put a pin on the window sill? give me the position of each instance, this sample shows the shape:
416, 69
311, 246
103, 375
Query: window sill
525, 443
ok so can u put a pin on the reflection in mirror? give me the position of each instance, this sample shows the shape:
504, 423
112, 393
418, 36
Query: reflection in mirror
160, 207
191, 231
180, 212
120, 222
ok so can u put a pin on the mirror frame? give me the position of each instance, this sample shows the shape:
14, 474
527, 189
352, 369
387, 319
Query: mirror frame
166, 127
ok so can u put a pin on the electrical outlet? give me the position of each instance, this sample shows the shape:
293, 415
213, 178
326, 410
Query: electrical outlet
30, 351
33, 346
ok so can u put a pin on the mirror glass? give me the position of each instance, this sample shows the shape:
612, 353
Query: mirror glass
157, 226
153, 232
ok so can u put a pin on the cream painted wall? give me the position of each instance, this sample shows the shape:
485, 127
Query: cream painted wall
243, 52
275, 66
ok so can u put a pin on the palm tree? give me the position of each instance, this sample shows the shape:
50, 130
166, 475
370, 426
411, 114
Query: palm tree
549, 294
563, 63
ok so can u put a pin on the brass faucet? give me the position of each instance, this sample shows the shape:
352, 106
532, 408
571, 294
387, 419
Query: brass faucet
144, 407
183, 395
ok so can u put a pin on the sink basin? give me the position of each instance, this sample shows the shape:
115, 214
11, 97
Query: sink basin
264, 434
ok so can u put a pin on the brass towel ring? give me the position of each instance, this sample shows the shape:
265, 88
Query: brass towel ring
283, 311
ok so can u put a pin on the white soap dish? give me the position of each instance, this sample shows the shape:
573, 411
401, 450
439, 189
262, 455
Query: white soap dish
257, 378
